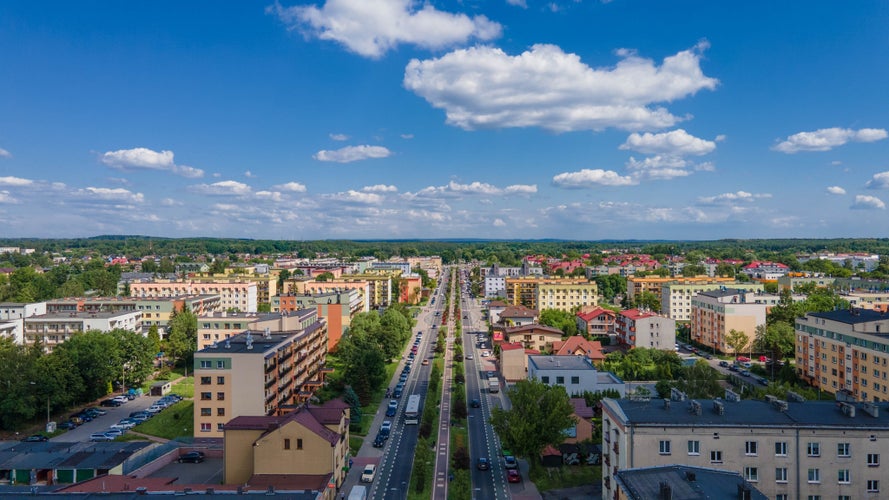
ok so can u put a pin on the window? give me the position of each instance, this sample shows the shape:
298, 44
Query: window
843, 450
664, 447
813, 449
545, 380
750, 448
220, 380
814, 475
781, 496
751, 473
206, 380
781, 475
575, 380
205, 427
206, 364
206, 412
844, 497
560, 380
220, 396
220, 427
220, 412
299, 443
716, 457
873, 486
694, 447
873, 459
781, 448
843, 476
220, 364
813, 497
286, 444
205, 396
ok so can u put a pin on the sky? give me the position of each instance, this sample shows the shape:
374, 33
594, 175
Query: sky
401, 119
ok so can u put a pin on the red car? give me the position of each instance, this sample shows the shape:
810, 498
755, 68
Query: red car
764, 359
513, 476
743, 359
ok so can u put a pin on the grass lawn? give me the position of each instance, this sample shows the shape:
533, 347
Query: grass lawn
567, 476
184, 387
175, 421
354, 445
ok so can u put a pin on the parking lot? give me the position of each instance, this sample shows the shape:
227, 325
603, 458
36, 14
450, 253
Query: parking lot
103, 422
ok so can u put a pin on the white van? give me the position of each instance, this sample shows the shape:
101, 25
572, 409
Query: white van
367, 475
359, 492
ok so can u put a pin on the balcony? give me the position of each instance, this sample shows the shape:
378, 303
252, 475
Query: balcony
616, 448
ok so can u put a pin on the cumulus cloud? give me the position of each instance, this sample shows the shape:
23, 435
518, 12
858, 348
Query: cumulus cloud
223, 188
248, 174
146, 159
352, 153
111, 194
879, 181
729, 198
474, 188
15, 181
294, 187
675, 142
826, 139
521, 189
864, 202
5, 154
592, 177
499, 223
269, 195
484, 87
352, 196
835, 190
371, 28
339, 137
5, 197
658, 167
170, 202
379, 188
407, 136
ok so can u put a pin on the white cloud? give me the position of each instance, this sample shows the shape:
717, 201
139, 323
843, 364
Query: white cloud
379, 188
170, 202
407, 136
483, 87
144, 158
352, 153
269, 195
248, 174
222, 188
518, 3
5, 154
294, 187
521, 189
879, 181
835, 190
729, 198
111, 194
864, 202
675, 142
499, 223
15, 181
474, 188
826, 139
590, 177
339, 137
352, 196
5, 197
371, 28
658, 168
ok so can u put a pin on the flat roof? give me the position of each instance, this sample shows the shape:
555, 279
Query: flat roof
65, 315
851, 316
685, 482
542, 362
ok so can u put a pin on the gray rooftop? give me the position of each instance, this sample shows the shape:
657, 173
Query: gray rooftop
750, 413
573, 363
686, 483
724, 292
51, 454
851, 316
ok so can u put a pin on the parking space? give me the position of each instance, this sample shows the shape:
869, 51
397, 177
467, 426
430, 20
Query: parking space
207, 472
103, 422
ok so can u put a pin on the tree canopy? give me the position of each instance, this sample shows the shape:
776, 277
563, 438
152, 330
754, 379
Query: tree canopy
539, 416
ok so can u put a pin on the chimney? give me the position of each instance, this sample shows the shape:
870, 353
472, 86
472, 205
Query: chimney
665, 492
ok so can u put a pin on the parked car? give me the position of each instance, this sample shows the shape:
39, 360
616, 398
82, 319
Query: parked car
742, 359
510, 462
513, 476
68, 425
733, 368
96, 410
723, 364
110, 403
482, 464
425, 362
379, 441
121, 399
764, 359
745, 373
100, 436
114, 432
194, 457
35, 438
367, 475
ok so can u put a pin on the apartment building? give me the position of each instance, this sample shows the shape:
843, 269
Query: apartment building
431, 264
156, 311
787, 450
575, 373
566, 297
266, 281
256, 373
792, 280
306, 449
13, 314
337, 308
641, 328
597, 322
306, 287
235, 295
717, 312
218, 326
51, 329
676, 297
524, 291
637, 285
845, 352
533, 336
765, 270
859, 299
495, 286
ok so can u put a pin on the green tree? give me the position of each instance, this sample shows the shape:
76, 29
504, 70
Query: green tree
364, 367
563, 320
699, 381
154, 339
649, 301
776, 339
166, 266
95, 356
611, 285
182, 335
136, 357
325, 276
539, 416
737, 340
149, 266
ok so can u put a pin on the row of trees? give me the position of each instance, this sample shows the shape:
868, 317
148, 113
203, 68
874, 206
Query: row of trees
25, 284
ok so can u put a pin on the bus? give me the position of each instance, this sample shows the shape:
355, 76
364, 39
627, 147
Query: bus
412, 410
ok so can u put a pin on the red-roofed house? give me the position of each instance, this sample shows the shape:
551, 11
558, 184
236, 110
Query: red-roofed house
311, 442
642, 328
533, 336
599, 322
583, 430
514, 361
765, 270
576, 345
517, 316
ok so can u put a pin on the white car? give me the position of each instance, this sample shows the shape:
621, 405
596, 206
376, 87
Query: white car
121, 399
367, 475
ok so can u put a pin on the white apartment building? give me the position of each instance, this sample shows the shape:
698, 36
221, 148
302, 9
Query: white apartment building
52, 329
575, 373
676, 297
14, 313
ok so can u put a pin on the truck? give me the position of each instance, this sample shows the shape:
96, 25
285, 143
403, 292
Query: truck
493, 385
359, 492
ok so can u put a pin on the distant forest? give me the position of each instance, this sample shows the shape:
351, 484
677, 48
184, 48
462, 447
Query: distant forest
504, 252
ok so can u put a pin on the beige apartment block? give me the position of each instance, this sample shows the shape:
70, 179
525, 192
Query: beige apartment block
523, 291
566, 297
676, 297
636, 285
235, 295
717, 312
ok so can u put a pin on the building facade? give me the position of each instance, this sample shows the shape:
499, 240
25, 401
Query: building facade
637, 285
676, 297
639, 328
51, 329
566, 297
575, 373
717, 312
235, 295
598, 322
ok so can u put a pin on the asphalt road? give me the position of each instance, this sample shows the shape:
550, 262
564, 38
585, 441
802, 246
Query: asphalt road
103, 422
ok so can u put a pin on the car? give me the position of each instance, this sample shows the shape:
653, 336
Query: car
482, 464
35, 438
764, 359
491, 374
114, 432
76, 419
68, 425
367, 475
510, 462
86, 417
733, 368
127, 423
194, 457
475, 403
110, 403
425, 362
745, 373
100, 436
742, 359
97, 411
386, 426
390, 412
121, 399
513, 476
379, 441
708, 356
723, 364
469, 356
119, 427
746, 364
763, 381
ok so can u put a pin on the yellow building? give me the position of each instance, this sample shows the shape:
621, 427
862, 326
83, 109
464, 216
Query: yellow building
523, 291
256, 373
266, 283
567, 297
636, 285
304, 449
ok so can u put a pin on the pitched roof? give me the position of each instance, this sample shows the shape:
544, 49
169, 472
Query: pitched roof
534, 327
577, 345
637, 314
587, 316
581, 409
518, 312
510, 346
309, 418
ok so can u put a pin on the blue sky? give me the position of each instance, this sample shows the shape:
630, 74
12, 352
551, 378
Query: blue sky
574, 119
